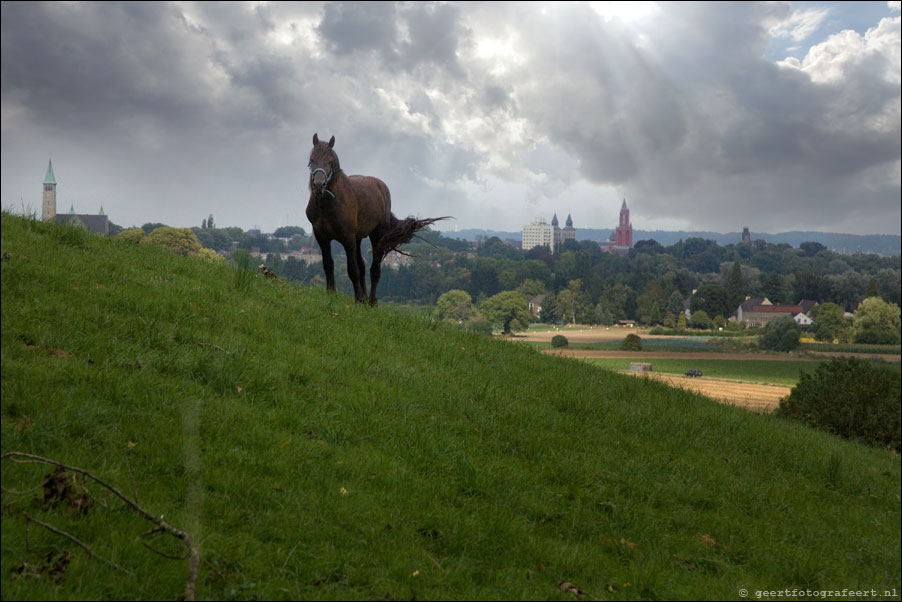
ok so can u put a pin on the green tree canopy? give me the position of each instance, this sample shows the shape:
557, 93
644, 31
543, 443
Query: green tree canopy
573, 303
133, 235
508, 310
876, 322
830, 323
178, 240
781, 334
455, 306
289, 231
701, 319
713, 299
735, 288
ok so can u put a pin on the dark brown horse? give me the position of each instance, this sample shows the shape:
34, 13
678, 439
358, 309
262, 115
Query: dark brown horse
348, 209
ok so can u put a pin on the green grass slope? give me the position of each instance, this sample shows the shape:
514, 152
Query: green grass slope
319, 449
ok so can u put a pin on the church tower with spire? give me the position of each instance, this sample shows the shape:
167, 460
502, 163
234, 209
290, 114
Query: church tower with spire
624, 230
48, 207
569, 232
98, 223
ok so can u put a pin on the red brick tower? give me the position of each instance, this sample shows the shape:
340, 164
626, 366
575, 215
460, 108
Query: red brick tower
624, 229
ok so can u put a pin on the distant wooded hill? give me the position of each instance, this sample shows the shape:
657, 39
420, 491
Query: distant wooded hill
885, 244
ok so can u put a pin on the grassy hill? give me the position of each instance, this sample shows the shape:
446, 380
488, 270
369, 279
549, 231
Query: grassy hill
315, 448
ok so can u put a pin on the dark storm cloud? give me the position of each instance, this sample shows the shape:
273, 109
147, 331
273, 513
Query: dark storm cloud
483, 111
82, 66
349, 27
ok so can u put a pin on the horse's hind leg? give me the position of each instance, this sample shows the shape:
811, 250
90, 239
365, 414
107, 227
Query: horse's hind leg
355, 268
361, 270
376, 268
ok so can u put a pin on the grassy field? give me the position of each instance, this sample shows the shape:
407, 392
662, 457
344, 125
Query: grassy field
754, 371
319, 449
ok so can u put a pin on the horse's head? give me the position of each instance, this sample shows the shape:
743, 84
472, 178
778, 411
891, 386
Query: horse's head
323, 166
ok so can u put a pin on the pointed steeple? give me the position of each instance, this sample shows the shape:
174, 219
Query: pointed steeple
71, 209
624, 205
101, 211
569, 221
49, 179
554, 221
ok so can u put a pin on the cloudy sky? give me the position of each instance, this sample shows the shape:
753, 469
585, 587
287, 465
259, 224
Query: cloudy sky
776, 116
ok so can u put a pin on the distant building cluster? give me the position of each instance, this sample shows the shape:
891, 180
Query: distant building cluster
541, 233
758, 311
537, 234
98, 223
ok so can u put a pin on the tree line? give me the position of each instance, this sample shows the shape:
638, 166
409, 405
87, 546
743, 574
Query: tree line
578, 282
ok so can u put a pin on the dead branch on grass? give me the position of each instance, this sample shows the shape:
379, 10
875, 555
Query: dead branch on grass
83, 545
162, 525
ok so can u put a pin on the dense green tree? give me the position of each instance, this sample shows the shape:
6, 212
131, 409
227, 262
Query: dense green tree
848, 289
774, 287
780, 334
455, 306
889, 282
133, 235
150, 227
507, 310
735, 287
613, 303
655, 317
531, 288
289, 231
701, 320
573, 303
496, 248
178, 240
811, 284
876, 322
675, 303
830, 323
651, 297
484, 278
713, 299
631, 342
851, 398
811, 248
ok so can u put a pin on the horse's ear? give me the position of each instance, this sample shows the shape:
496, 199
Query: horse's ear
315, 139
332, 142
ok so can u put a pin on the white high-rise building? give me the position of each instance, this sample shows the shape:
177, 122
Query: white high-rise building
537, 234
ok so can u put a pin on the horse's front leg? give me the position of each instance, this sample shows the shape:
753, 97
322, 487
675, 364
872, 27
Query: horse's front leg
355, 273
325, 247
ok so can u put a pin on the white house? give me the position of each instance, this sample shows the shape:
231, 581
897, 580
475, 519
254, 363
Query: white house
802, 319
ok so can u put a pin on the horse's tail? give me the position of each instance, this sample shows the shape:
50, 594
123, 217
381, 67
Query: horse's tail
402, 231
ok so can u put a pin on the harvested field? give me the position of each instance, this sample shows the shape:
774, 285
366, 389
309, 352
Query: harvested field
686, 355
759, 398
